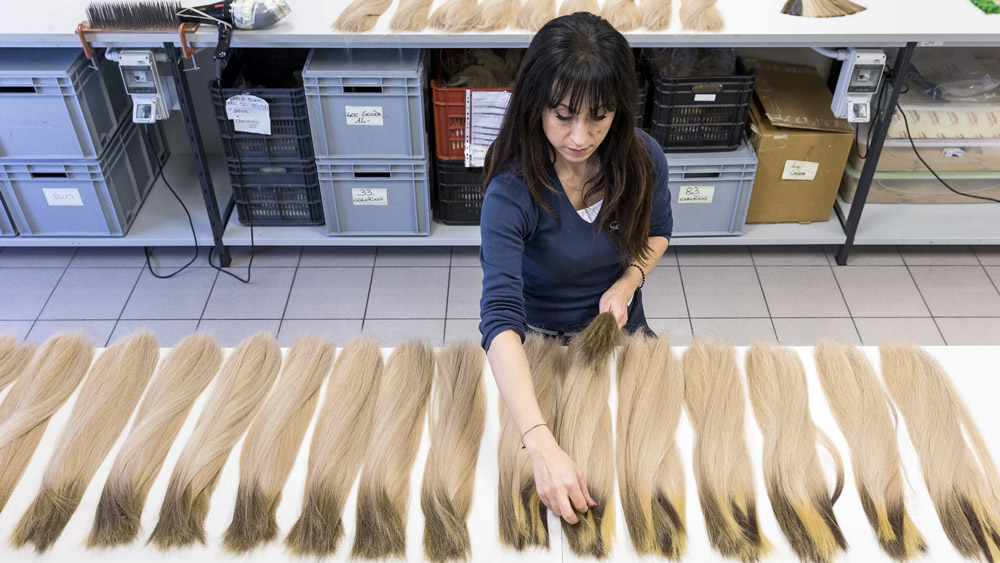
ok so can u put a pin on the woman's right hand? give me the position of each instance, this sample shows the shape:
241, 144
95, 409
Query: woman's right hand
560, 483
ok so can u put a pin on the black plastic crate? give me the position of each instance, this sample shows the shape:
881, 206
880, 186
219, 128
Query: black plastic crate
277, 193
640, 108
701, 113
459, 198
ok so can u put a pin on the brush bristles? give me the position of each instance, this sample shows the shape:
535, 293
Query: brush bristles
821, 8
136, 15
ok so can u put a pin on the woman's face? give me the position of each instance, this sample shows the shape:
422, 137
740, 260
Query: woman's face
575, 136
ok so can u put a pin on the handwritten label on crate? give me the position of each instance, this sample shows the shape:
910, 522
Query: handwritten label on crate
704, 97
695, 194
800, 170
370, 196
484, 113
364, 115
249, 114
63, 197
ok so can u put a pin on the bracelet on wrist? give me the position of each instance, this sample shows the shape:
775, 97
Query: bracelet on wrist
641, 272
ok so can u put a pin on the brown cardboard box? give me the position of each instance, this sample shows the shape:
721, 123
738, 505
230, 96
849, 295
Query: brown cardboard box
801, 147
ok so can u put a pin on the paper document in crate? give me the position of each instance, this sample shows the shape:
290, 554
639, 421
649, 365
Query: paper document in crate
801, 147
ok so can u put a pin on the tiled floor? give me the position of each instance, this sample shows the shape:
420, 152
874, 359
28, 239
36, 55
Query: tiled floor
925, 295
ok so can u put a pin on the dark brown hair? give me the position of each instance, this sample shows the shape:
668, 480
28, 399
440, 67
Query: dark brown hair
580, 55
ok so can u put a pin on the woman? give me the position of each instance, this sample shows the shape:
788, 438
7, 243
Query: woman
575, 217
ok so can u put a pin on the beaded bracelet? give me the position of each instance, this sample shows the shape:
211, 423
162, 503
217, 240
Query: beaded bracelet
641, 271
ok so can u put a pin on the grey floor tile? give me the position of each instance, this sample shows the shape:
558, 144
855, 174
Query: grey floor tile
337, 256
23, 291
36, 257
739, 332
464, 293
168, 333
265, 256
994, 273
411, 293
392, 332
339, 331
263, 298
922, 331
97, 331
988, 255
101, 257
465, 256
329, 293
713, 256
461, 330
663, 294
970, 331
957, 291
669, 257
723, 292
802, 291
413, 256
679, 330
91, 293
807, 332
165, 259
808, 255
869, 256
180, 297
880, 291
231, 333
19, 328
938, 255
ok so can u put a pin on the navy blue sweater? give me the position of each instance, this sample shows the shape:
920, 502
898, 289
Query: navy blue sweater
546, 272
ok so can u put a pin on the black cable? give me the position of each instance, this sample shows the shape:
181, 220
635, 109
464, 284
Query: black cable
252, 251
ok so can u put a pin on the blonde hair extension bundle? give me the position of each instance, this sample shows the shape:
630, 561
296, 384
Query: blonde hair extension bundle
361, 15
792, 472
821, 8
568, 7
342, 432
962, 481
13, 359
650, 474
624, 15
185, 373
457, 422
456, 16
106, 401
495, 15
861, 409
411, 15
715, 404
522, 517
240, 388
655, 14
536, 13
701, 15
47, 382
583, 430
273, 442
384, 487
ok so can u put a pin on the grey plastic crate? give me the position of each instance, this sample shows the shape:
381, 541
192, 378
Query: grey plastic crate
6, 225
54, 105
710, 191
391, 80
397, 200
85, 197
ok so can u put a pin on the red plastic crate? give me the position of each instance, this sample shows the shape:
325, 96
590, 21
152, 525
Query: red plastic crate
449, 119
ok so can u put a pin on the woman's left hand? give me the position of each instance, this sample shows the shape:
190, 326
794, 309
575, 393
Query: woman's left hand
615, 301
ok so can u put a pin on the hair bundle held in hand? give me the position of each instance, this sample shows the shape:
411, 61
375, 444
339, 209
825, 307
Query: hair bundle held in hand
701, 15
183, 376
793, 475
821, 8
13, 359
456, 16
568, 7
650, 474
522, 517
384, 487
534, 14
51, 376
273, 441
583, 430
958, 469
715, 403
361, 15
242, 384
106, 401
457, 421
343, 429
861, 409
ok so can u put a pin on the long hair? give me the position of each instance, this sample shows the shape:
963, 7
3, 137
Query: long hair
107, 398
650, 472
581, 56
242, 384
521, 515
273, 441
183, 376
716, 406
701, 15
583, 430
821, 8
342, 432
792, 472
958, 469
13, 359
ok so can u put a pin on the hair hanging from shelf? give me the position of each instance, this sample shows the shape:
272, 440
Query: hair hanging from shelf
361, 15
821, 8
411, 15
624, 15
456, 16
701, 15
495, 15
534, 14
655, 14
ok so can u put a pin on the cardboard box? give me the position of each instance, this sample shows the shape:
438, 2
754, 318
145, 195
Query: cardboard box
802, 148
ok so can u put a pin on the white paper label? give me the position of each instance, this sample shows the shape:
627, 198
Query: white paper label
952, 152
250, 114
364, 115
695, 194
370, 196
259, 124
484, 112
800, 170
63, 197
704, 97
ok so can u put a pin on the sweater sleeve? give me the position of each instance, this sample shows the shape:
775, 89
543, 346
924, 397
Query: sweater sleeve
661, 223
507, 219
